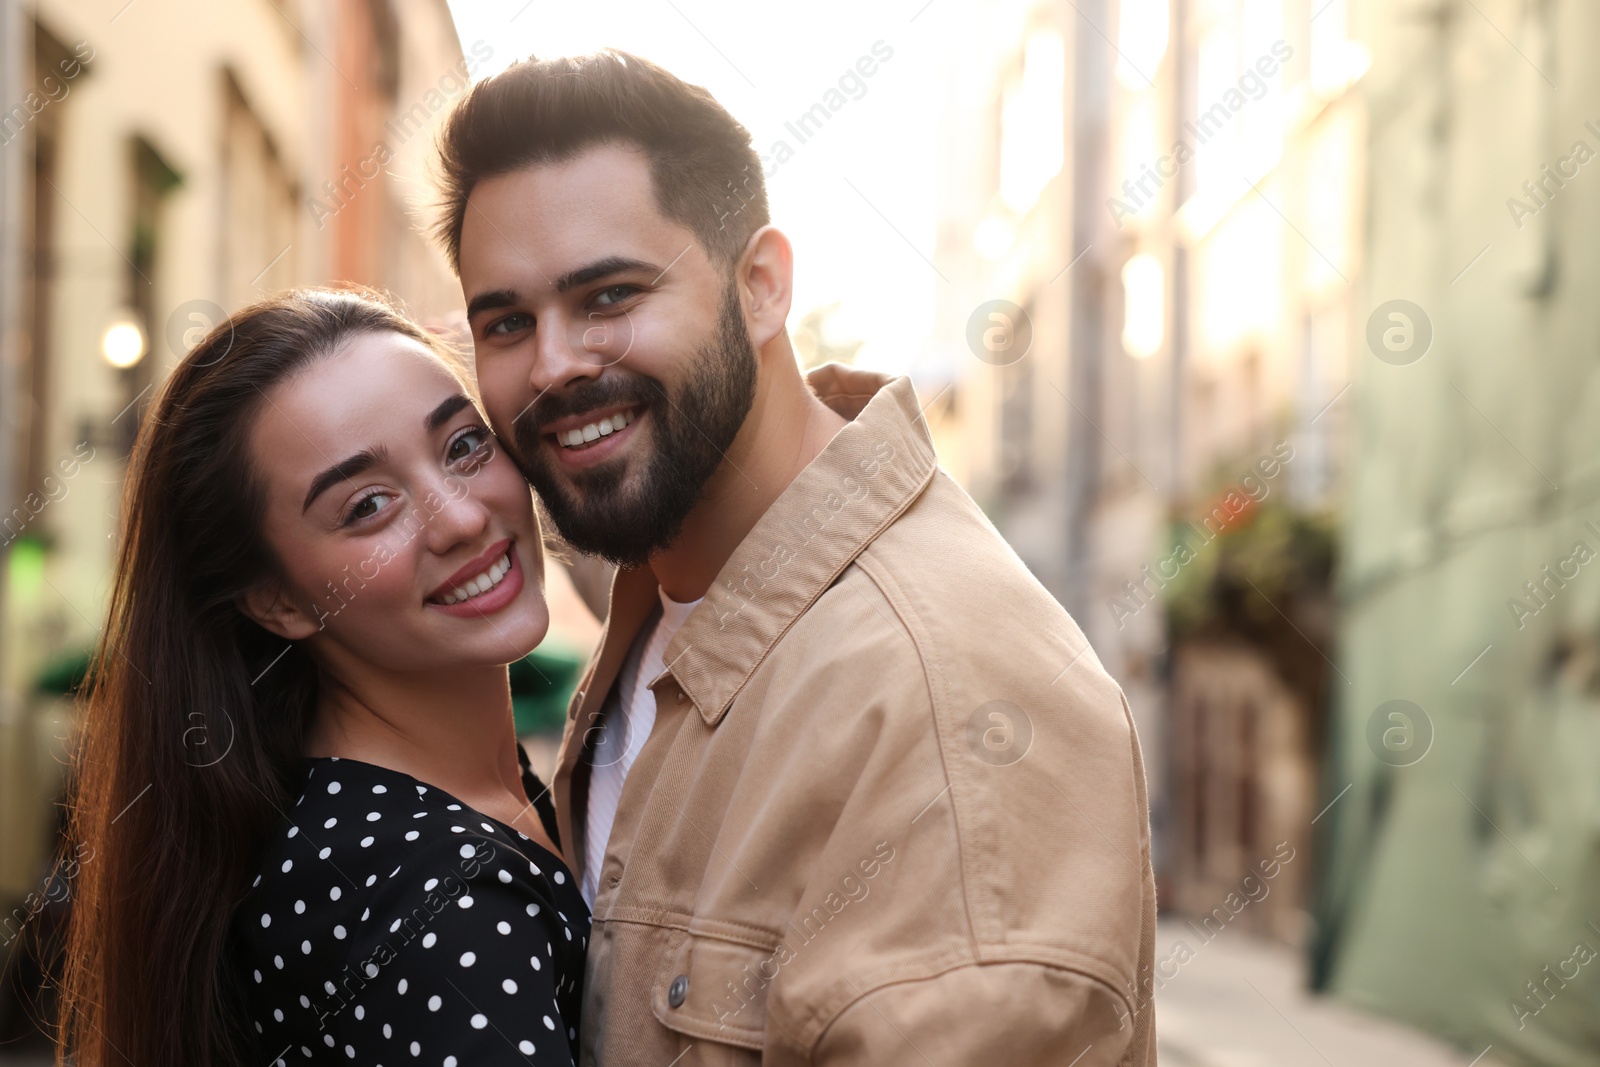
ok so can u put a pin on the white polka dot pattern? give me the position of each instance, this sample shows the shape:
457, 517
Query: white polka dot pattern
381, 933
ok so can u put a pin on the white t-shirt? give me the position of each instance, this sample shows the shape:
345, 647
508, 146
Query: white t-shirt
627, 724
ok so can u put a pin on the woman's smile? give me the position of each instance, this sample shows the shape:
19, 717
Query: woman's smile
481, 588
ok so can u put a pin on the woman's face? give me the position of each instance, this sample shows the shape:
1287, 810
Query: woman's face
407, 540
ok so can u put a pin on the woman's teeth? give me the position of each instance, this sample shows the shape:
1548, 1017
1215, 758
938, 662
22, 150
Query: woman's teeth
481, 584
595, 430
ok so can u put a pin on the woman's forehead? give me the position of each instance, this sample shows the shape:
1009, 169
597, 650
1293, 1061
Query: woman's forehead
374, 391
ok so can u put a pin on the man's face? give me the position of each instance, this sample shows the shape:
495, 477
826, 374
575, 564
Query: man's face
612, 354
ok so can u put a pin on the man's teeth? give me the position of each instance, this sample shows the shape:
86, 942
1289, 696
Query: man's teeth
595, 430
481, 584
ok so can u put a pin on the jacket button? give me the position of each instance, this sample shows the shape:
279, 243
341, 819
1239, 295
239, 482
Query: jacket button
614, 881
678, 990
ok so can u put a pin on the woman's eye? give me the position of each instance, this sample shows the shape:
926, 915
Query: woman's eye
366, 507
467, 445
616, 294
511, 323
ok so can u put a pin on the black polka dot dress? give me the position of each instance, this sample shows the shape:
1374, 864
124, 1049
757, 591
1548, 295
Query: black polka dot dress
392, 925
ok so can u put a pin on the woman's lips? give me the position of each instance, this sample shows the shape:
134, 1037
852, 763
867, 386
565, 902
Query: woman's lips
472, 568
491, 600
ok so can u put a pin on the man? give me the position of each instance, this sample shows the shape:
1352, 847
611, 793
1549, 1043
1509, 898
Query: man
843, 782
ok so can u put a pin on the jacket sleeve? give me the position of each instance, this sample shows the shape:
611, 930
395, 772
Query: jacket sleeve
1011, 918
1019, 1014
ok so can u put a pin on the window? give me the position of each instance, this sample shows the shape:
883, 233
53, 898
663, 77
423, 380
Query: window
257, 254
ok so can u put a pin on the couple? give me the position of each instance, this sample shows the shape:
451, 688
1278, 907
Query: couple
842, 784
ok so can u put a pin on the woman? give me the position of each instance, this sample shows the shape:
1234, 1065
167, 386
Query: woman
315, 837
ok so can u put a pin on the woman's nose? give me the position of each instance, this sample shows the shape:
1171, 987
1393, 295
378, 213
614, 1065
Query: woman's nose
460, 517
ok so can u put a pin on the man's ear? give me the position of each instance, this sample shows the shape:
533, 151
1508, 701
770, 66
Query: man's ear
272, 610
766, 274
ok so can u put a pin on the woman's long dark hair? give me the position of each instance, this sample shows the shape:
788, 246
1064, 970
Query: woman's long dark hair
193, 714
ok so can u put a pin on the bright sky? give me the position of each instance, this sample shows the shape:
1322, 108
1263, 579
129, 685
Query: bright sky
863, 246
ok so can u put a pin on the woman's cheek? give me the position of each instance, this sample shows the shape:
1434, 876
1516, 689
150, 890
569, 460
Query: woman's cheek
377, 579
501, 488
390, 572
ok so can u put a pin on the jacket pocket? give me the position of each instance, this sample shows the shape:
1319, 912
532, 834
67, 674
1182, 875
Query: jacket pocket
715, 989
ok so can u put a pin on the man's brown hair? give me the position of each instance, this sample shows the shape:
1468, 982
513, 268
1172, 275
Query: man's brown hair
705, 173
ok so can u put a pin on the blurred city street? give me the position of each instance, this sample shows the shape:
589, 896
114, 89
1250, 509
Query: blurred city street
1241, 1002
1263, 331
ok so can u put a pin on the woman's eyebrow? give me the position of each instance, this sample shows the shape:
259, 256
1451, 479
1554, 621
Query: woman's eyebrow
447, 407
371, 457
343, 471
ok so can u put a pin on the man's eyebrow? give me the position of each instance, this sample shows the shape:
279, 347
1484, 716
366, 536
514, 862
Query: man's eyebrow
494, 298
600, 268
447, 407
342, 471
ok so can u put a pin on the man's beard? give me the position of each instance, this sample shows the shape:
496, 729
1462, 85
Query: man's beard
691, 430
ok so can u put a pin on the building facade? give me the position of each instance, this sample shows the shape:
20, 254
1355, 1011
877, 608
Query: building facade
164, 165
1153, 222
1462, 869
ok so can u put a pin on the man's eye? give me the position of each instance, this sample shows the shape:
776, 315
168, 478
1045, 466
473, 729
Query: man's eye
616, 294
511, 324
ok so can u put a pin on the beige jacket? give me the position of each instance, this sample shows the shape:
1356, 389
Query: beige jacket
892, 810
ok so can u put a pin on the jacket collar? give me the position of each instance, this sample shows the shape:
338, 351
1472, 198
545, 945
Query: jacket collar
871, 471
860, 483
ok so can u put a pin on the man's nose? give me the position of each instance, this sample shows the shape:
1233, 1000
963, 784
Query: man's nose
561, 358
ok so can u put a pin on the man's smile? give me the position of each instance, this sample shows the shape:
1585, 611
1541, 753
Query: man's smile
584, 440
